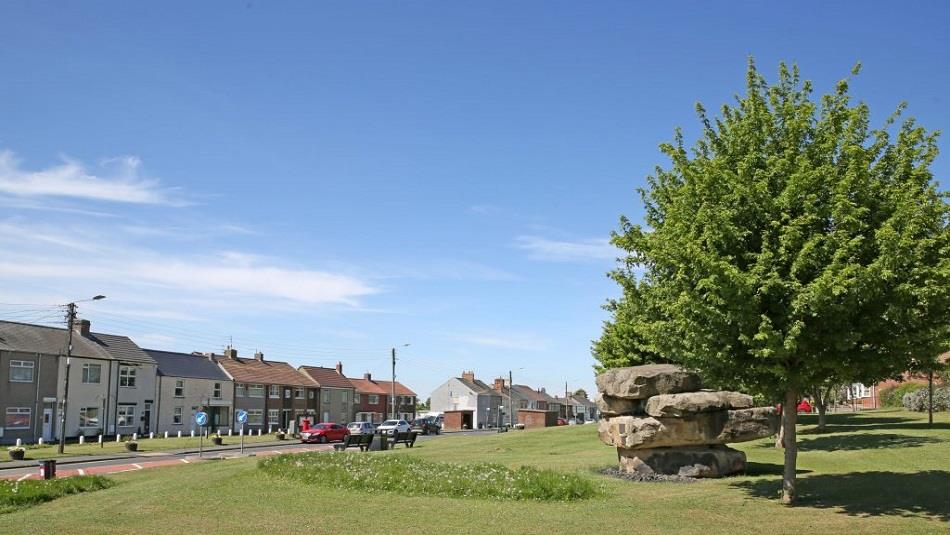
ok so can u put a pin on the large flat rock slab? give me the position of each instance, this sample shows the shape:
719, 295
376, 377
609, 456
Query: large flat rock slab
611, 406
700, 461
684, 404
641, 382
709, 428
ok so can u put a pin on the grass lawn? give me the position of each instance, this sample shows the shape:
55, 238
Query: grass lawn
877, 471
49, 451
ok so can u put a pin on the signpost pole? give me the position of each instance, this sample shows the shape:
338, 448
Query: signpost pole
242, 439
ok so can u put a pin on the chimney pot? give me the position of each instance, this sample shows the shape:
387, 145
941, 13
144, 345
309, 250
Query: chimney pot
468, 376
259, 356
500, 384
230, 352
367, 376
339, 367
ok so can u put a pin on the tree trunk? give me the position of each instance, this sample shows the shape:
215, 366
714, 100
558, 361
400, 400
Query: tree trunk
780, 437
930, 401
789, 420
822, 418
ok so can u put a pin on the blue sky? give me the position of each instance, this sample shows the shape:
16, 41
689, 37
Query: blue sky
324, 181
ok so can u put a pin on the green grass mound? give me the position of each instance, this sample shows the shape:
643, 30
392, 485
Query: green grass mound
20, 495
417, 477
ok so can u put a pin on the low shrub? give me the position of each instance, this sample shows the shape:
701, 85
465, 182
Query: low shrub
413, 476
919, 400
893, 396
15, 495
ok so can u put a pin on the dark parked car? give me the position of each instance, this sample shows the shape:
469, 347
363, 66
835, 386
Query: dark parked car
426, 426
323, 433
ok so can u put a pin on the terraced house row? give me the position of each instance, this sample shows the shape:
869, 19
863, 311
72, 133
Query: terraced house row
117, 387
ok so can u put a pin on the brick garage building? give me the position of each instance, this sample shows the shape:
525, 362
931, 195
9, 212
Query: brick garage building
458, 420
536, 418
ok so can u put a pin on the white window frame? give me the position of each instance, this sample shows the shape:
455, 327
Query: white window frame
273, 391
299, 393
179, 388
20, 410
374, 399
326, 395
255, 391
240, 390
127, 376
22, 365
120, 413
178, 415
87, 373
255, 416
216, 391
273, 416
84, 418
287, 393
311, 393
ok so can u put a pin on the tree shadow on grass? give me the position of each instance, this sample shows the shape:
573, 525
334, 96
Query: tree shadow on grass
867, 493
864, 441
768, 469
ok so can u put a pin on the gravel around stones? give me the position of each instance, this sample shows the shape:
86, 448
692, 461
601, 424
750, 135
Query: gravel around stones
647, 478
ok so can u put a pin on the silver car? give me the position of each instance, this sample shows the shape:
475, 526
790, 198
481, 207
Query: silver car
361, 428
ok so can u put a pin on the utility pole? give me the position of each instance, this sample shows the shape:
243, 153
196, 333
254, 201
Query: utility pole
511, 409
392, 400
70, 319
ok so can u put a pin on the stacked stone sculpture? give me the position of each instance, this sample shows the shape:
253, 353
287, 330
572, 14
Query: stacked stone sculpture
662, 422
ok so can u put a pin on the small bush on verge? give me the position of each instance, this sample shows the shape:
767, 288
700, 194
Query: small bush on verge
413, 476
919, 400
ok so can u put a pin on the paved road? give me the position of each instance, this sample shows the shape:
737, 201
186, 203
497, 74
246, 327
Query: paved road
159, 459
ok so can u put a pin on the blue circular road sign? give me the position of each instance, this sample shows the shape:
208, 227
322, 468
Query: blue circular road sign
201, 418
241, 416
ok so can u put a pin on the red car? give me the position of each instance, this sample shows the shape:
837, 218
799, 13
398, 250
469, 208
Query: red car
323, 433
561, 421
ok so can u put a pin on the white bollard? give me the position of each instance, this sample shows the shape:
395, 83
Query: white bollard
258, 432
192, 433
118, 437
151, 434
229, 432
100, 440
179, 434
40, 441
82, 440
19, 443
166, 434
135, 436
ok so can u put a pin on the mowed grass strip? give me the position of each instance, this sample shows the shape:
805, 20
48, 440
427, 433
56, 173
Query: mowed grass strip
20, 495
414, 476
145, 445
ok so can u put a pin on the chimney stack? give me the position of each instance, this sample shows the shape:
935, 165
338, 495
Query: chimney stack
468, 376
367, 376
339, 367
258, 356
81, 327
230, 352
500, 384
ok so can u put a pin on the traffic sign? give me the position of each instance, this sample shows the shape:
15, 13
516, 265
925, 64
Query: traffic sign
201, 418
241, 416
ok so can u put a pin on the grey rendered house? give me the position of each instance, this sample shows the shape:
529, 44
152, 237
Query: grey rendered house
188, 383
468, 393
111, 383
337, 394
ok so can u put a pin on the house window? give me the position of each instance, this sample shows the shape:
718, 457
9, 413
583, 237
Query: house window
126, 415
273, 391
273, 415
287, 393
345, 395
91, 373
311, 393
179, 388
255, 416
176, 416
298, 393
356, 397
216, 394
240, 389
21, 371
89, 417
373, 399
18, 418
256, 391
127, 376
326, 396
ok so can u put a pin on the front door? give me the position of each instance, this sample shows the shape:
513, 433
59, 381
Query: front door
147, 417
47, 425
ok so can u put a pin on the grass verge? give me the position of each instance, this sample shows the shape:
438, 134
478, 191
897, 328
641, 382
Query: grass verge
16, 495
414, 476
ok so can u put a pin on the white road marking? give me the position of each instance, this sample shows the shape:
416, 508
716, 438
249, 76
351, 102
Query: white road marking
186, 461
81, 471
24, 477
137, 466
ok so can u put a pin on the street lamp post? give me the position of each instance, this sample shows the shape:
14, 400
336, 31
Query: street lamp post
70, 320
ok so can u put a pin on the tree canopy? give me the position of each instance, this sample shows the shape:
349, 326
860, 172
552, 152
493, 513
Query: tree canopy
791, 244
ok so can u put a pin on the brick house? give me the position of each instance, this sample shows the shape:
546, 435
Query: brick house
274, 394
405, 401
336, 393
370, 402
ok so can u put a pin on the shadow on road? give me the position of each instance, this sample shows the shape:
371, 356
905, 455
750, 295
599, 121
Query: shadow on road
867, 493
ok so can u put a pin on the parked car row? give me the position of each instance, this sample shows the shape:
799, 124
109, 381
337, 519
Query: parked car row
323, 433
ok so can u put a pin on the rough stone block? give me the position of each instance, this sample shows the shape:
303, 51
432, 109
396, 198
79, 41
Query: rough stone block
641, 382
701, 461
677, 405
611, 406
719, 427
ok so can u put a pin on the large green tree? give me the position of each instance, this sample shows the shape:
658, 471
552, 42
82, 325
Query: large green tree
791, 245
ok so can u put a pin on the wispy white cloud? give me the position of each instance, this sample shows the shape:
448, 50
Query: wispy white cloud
521, 342
483, 209
539, 248
115, 180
